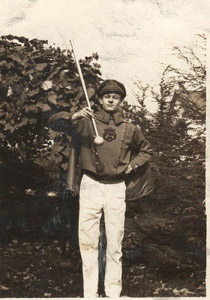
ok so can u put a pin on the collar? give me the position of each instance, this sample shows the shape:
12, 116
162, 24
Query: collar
104, 117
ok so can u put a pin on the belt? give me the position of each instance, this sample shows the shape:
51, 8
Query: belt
105, 179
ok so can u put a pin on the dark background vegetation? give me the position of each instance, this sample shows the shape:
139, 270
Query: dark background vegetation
164, 245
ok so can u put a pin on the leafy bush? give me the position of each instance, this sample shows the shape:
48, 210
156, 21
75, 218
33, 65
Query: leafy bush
170, 225
37, 80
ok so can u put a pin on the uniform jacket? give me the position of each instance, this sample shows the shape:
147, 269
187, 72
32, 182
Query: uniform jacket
130, 148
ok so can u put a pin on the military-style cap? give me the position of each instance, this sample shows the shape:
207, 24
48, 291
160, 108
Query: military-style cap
111, 85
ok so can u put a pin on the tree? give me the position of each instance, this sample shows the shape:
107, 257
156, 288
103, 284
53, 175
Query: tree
37, 80
172, 221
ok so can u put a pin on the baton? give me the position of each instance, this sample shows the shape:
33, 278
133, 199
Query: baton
98, 139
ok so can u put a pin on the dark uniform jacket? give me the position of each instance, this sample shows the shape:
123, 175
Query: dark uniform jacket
124, 144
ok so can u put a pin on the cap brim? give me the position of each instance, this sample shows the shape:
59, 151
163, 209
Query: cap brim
112, 88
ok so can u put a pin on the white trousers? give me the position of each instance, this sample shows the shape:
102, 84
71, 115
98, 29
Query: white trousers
95, 196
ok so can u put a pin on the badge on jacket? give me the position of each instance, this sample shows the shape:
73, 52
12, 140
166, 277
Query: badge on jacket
109, 134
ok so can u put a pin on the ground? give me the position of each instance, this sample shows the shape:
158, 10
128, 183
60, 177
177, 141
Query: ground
32, 264
37, 269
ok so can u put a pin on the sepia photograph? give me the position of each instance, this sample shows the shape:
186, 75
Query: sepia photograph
103, 171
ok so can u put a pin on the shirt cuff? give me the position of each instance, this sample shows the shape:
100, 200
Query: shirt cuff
134, 166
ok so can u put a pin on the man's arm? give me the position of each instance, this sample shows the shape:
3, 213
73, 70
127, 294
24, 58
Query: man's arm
61, 122
142, 147
64, 121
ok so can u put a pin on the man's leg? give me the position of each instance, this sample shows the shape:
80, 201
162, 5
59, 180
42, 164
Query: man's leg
114, 211
89, 221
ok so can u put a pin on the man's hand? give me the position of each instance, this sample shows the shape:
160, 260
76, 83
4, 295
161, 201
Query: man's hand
129, 169
86, 112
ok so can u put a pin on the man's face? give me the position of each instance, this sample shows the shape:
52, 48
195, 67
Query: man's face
110, 101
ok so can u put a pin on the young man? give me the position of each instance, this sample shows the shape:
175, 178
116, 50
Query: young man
107, 175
